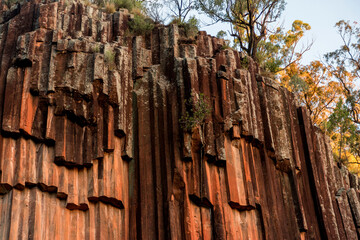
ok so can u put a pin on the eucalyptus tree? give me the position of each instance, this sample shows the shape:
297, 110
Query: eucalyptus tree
250, 19
180, 9
344, 63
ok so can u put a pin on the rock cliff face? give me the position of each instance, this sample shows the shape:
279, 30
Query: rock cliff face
91, 146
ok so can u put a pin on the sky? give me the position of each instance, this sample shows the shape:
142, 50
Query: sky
321, 15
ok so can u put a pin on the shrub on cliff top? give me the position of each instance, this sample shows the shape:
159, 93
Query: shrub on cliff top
111, 6
221, 34
128, 4
191, 26
140, 24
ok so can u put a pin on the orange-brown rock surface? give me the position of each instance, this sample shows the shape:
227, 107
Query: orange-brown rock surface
91, 146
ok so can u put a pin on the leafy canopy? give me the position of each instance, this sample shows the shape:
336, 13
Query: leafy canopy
250, 18
344, 63
280, 49
314, 89
344, 134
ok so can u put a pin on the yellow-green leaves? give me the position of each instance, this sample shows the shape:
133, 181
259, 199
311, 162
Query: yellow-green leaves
250, 19
281, 49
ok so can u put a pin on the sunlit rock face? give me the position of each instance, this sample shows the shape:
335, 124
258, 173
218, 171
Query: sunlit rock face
92, 147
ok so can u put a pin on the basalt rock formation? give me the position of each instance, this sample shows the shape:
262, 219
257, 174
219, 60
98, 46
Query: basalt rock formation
91, 146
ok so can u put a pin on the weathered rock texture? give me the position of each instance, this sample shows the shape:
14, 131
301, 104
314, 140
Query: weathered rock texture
91, 146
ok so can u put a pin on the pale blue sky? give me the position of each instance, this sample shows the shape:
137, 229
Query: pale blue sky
321, 15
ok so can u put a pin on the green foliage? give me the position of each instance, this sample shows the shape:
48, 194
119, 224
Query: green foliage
272, 65
348, 55
340, 118
343, 132
344, 123
128, 4
244, 62
110, 59
221, 34
250, 18
110, 7
275, 49
113, 5
314, 88
344, 64
191, 27
280, 49
297, 84
141, 25
226, 45
198, 111
96, 48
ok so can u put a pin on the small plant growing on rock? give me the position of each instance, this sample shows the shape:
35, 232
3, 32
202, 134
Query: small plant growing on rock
191, 27
226, 45
110, 7
110, 59
96, 48
245, 62
222, 35
198, 111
